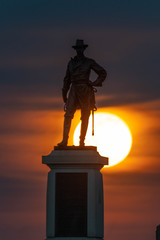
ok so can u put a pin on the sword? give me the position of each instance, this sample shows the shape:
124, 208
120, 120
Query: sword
93, 110
92, 122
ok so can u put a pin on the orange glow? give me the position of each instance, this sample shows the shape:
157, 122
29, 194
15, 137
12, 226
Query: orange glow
30, 134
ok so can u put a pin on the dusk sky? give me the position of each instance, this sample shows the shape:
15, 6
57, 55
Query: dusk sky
35, 47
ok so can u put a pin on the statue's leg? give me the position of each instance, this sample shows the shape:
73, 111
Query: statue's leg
70, 110
84, 102
66, 129
84, 125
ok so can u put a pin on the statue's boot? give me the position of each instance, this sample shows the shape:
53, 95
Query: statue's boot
66, 129
84, 126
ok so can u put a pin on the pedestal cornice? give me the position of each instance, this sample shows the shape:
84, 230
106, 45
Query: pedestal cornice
75, 156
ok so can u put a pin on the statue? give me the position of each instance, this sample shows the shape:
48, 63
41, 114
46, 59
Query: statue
81, 93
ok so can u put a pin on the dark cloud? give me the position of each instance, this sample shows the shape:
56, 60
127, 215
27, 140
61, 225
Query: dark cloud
22, 200
19, 189
131, 179
33, 64
153, 131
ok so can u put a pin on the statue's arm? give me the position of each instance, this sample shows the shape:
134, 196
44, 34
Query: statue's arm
66, 85
101, 72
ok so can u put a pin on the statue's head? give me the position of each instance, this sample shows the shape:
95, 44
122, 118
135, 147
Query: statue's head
80, 46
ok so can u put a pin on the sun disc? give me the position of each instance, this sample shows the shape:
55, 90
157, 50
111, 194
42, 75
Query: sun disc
112, 137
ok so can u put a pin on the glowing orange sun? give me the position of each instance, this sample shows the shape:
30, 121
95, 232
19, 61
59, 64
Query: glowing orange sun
112, 137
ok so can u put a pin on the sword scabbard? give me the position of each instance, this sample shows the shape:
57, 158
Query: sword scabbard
92, 122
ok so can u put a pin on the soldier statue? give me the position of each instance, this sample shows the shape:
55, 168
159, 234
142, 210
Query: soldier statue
81, 90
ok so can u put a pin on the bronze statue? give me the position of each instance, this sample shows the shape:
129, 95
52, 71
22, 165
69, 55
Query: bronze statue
81, 94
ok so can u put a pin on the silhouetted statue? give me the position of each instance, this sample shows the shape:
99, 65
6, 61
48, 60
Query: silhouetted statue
81, 94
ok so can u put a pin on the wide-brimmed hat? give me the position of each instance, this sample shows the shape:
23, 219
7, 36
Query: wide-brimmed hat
79, 43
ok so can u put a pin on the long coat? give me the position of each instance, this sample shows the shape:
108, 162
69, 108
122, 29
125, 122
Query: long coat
81, 94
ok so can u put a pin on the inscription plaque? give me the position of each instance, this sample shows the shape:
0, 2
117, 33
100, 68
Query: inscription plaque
71, 205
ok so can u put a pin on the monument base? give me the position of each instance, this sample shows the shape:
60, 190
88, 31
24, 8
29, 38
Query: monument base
74, 194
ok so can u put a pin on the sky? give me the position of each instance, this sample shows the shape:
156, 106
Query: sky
35, 47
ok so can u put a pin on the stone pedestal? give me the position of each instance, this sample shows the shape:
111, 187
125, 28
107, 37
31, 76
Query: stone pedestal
74, 194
